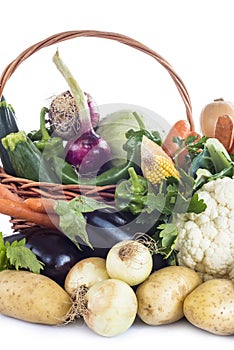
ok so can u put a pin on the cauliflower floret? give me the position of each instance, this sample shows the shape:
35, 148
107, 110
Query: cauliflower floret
206, 241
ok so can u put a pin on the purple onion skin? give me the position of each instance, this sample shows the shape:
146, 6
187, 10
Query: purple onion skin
87, 153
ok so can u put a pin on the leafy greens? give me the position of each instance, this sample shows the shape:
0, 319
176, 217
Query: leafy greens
16, 256
71, 219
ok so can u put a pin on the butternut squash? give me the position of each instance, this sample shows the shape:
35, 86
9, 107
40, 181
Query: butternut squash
211, 112
217, 120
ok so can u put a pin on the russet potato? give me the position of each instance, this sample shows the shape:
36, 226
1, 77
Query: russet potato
161, 295
211, 306
33, 297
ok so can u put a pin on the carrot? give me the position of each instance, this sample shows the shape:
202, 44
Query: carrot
5, 193
180, 129
224, 130
22, 211
41, 205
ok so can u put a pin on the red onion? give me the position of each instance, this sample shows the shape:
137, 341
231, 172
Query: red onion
87, 151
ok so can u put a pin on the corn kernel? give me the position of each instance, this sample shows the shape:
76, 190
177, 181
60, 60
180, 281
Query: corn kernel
157, 168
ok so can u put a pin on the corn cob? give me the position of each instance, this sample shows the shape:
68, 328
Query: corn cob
155, 163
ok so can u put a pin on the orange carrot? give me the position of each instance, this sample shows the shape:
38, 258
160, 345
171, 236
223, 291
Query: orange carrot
224, 130
180, 129
22, 211
5, 193
41, 205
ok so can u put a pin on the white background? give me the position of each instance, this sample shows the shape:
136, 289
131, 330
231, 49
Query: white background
196, 37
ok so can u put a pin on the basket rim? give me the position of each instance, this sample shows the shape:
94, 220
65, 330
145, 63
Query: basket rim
123, 39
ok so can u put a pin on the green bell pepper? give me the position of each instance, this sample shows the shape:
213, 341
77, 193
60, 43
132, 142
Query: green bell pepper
131, 194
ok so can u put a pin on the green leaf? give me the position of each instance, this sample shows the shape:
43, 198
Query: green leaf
22, 257
169, 234
2, 245
16, 255
214, 158
178, 141
181, 204
71, 219
186, 184
85, 204
191, 139
197, 146
219, 155
155, 202
73, 225
3, 260
196, 205
171, 198
16, 243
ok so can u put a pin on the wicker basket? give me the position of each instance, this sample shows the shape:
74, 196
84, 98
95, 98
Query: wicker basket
27, 188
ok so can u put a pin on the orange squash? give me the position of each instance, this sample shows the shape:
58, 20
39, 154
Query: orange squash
211, 112
224, 131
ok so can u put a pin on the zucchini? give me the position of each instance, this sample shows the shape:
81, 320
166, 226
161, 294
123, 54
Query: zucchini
28, 162
8, 125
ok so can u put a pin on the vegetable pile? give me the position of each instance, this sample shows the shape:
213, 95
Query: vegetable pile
160, 248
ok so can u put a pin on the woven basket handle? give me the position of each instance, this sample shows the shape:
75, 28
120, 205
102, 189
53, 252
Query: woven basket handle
54, 39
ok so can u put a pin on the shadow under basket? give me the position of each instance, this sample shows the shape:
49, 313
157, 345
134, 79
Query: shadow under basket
26, 188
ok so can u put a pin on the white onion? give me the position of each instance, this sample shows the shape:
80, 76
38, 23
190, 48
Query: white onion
129, 261
111, 307
85, 272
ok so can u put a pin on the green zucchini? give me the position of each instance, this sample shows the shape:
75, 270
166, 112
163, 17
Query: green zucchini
28, 162
8, 124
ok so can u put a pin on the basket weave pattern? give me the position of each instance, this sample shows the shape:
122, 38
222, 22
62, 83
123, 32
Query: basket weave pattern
27, 188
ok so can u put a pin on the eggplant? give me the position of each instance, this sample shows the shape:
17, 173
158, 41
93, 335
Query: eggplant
104, 227
54, 249
107, 227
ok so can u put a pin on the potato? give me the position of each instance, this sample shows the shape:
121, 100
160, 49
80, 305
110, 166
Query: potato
161, 295
33, 297
211, 306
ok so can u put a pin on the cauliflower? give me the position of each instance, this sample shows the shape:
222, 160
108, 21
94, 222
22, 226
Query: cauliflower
205, 241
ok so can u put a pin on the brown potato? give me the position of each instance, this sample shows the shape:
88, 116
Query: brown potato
161, 296
211, 306
33, 297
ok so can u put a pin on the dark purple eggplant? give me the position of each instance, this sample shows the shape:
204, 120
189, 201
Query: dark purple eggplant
54, 249
104, 228
107, 227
